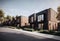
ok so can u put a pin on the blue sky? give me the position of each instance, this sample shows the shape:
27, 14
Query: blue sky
26, 7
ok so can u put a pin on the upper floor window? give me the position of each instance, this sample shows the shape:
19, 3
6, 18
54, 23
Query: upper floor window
31, 19
41, 17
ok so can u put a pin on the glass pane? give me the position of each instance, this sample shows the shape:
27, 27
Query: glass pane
31, 19
42, 17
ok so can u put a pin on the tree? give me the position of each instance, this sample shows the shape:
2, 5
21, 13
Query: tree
1, 13
1, 16
9, 20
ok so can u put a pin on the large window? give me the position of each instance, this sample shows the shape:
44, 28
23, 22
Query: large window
41, 17
40, 26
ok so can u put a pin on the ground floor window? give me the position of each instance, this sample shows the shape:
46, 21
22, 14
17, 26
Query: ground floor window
40, 26
32, 25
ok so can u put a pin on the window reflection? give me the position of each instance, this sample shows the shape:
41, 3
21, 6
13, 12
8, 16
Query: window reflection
41, 17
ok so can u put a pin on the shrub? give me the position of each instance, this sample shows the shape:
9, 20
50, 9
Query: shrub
57, 33
44, 32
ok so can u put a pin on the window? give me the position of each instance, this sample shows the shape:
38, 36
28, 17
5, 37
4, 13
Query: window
42, 26
41, 17
39, 26
32, 25
49, 26
31, 19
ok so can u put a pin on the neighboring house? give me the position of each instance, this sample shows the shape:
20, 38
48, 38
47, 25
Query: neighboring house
32, 21
13, 22
45, 19
22, 21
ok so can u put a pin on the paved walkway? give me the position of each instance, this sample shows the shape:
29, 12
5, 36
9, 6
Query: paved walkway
7, 34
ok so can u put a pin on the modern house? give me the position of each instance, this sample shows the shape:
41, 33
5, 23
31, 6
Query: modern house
45, 19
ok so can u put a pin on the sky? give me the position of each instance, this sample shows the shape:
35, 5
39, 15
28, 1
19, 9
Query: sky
27, 7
